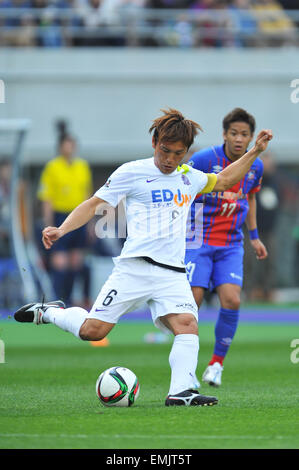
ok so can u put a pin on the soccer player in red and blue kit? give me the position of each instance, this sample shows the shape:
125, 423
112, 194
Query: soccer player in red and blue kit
217, 264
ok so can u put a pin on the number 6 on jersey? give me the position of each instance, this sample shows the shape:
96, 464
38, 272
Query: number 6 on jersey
109, 297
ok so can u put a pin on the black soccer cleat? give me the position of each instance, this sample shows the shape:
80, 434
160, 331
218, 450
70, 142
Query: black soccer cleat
190, 398
33, 313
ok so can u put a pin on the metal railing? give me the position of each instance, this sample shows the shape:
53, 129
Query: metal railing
145, 27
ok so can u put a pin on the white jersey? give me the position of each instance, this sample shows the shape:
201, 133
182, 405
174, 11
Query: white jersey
157, 206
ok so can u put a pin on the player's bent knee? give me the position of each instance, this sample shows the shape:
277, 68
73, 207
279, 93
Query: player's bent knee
182, 323
232, 303
91, 331
91, 335
189, 325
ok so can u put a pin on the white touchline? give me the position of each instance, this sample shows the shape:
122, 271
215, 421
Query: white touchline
139, 436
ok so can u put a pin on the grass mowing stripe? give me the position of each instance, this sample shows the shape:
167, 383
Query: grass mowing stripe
138, 436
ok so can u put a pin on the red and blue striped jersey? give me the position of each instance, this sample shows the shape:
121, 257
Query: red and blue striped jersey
225, 212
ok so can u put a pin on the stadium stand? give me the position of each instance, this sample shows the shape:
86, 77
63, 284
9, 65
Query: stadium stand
179, 23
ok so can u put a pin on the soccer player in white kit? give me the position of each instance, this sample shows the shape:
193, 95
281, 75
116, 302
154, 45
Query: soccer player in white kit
157, 193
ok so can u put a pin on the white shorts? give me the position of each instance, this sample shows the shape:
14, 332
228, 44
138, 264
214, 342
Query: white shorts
134, 282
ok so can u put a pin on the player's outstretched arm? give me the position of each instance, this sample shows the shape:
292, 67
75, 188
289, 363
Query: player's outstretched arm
78, 217
233, 173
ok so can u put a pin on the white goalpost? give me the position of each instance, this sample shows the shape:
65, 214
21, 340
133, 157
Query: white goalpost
33, 276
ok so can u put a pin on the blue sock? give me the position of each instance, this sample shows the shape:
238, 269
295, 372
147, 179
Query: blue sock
225, 330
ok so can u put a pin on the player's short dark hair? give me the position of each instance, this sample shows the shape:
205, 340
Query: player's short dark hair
174, 127
238, 115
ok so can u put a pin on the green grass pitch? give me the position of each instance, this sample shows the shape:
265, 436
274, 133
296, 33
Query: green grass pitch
48, 400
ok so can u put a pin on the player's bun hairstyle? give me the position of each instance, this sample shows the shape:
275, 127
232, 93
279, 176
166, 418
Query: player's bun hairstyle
63, 133
173, 127
238, 115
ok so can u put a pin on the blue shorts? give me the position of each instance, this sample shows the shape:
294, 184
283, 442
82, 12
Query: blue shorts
75, 240
211, 266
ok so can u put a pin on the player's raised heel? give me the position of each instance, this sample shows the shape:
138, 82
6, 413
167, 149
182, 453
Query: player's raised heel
33, 313
212, 374
190, 398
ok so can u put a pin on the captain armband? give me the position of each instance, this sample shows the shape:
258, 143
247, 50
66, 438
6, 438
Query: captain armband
212, 180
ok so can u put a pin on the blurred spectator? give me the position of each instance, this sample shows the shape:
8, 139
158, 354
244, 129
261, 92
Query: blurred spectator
291, 5
184, 32
68, 21
12, 20
129, 11
97, 16
175, 4
51, 25
202, 5
244, 22
213, 23
261, 278
45, 28
17, 30
49, 32
65, 183
275, 26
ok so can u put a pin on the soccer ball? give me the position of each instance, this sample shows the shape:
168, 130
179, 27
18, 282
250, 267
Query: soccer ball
117, 386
